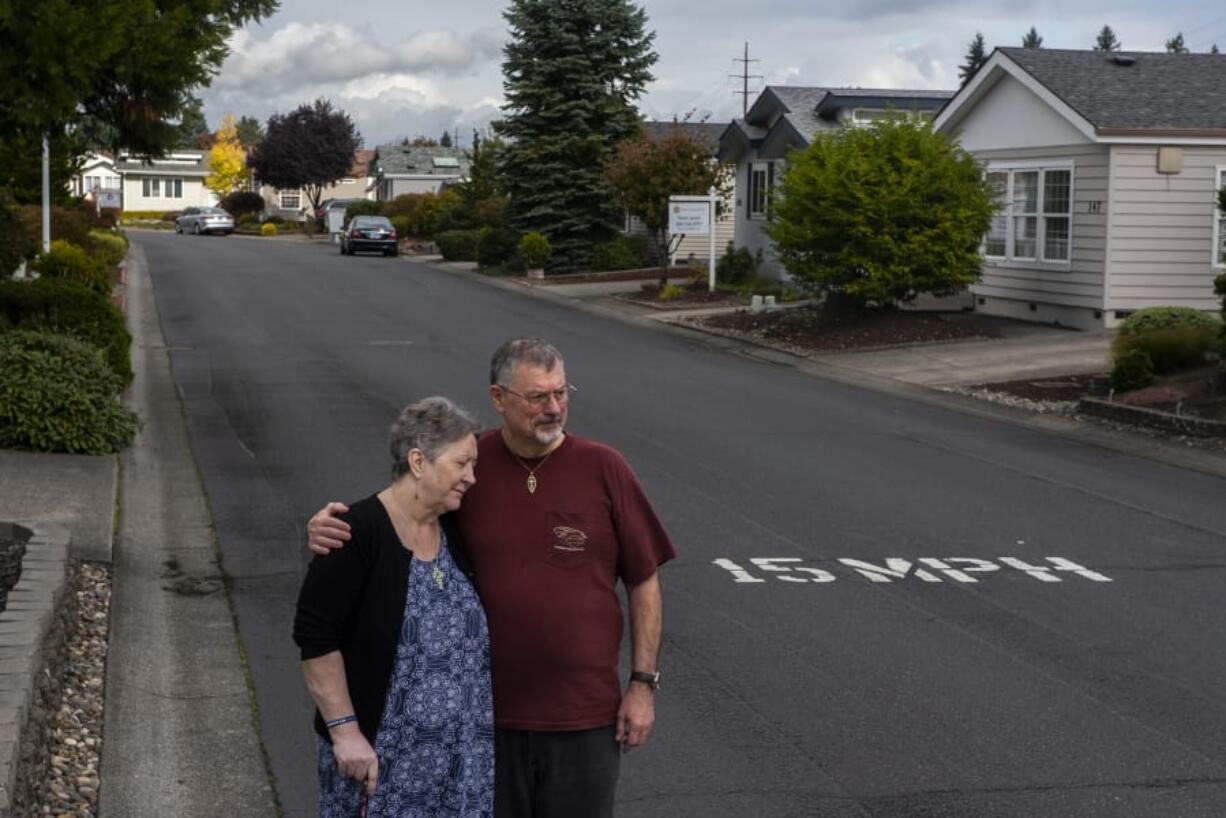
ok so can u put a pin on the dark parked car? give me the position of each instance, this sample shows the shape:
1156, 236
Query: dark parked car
204, 220
369, 233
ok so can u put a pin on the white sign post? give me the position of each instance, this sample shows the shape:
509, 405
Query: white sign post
695, 216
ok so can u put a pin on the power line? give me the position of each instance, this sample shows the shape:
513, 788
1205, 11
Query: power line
745, 77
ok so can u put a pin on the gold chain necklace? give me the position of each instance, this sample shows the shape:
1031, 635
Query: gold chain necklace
533, 470
435, 572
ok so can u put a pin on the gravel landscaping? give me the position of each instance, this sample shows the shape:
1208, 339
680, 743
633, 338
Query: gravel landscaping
62, 779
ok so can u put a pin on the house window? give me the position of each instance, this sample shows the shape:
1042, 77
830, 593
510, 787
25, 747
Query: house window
1035, 219
151, 188
995, 244
1219, 221
759, 189
290, 199
174, 188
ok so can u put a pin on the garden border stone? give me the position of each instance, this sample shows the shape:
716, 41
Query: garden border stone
1153, 418
31, 636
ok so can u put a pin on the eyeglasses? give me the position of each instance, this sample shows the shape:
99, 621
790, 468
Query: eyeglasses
539, 400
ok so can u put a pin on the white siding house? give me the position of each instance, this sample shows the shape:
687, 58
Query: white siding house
786, 118
1107, 171
172, 182
97, 174
401, 169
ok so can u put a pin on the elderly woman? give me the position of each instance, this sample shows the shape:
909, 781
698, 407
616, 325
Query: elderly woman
395, 646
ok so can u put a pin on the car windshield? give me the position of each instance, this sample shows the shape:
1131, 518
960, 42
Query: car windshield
214, 211
371, 221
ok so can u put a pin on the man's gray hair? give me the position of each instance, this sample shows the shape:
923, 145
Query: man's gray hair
430, 425
531, 351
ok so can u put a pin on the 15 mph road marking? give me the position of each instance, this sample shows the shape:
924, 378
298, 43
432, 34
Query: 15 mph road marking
924, 569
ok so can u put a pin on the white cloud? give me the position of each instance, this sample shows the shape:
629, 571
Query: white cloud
300, 55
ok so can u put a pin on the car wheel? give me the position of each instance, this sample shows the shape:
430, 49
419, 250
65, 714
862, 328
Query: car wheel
179, 228
342, 245
196, 229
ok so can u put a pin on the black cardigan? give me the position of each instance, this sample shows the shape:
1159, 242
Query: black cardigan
353, 600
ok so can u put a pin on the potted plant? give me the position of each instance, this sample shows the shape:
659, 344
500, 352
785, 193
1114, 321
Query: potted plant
534, 249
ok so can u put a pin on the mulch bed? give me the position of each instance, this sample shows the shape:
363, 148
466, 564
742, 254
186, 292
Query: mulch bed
648, 297
811, 329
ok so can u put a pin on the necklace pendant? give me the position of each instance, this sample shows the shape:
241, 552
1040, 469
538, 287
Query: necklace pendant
531, 483
438, 576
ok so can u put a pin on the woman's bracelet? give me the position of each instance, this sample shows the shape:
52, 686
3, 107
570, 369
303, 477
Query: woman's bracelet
340, 721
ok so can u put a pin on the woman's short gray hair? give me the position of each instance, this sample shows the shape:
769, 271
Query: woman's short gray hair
531, 351
429, 425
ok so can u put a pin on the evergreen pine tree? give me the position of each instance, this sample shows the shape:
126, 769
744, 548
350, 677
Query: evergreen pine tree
976, 56
572, 72
445, 140
1032, 39
1214, 50
1106, 40
1176, 45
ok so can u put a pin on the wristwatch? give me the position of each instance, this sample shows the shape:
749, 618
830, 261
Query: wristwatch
652, 680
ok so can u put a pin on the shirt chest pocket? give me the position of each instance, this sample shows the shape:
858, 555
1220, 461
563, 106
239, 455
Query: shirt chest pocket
572, 539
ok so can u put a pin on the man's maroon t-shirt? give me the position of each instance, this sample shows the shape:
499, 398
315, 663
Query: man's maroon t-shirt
547, 567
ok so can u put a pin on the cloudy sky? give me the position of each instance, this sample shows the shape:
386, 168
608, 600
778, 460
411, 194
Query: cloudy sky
407, 68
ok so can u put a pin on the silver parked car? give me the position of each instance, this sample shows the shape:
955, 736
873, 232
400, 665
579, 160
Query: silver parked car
204, 220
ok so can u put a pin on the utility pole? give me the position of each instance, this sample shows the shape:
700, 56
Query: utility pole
745, 77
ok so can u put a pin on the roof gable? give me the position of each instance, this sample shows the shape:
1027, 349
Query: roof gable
1105, 95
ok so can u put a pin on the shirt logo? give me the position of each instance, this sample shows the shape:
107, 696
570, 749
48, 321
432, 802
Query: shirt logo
569, 539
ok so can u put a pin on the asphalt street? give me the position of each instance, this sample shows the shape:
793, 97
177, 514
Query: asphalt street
879, 608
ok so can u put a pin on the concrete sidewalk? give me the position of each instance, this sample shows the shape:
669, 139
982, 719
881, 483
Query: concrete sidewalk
180, 737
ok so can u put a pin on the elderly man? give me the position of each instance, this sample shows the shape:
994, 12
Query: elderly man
552, 523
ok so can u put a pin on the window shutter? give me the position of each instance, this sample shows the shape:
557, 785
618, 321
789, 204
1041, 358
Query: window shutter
749, 190
770, 184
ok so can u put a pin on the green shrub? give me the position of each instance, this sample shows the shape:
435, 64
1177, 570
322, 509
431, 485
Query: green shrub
405, 204
1172, 337
401, 223
67, 224
490, 212
670, 292
69, 308
241, 202
622, 253
534, 249
366, 207
70, 262
1132, 370
737, 265
111, 247
458, 245
268, 229
496, 245
453, 213
57, 395
16, 242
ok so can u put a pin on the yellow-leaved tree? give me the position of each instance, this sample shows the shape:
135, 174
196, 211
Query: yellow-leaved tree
227, 161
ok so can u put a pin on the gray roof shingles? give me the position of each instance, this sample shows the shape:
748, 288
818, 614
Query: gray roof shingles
415, 161
1157, 92
704, 133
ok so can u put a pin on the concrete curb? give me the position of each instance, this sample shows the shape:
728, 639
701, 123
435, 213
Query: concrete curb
180, 736
27, 629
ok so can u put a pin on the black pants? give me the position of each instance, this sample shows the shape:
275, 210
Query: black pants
555, 774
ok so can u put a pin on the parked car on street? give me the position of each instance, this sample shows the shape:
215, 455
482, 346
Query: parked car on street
204, 220
369, 233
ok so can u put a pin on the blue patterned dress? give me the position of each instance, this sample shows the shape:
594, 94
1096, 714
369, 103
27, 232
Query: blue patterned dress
436, 739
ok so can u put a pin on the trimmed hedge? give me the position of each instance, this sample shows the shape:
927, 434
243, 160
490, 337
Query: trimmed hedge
1172, 337
621, 253
496, 245
366, 207
68, 261
57, 395
1132, 370
268, 228
69, 308
458, 245
111, 247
